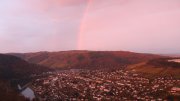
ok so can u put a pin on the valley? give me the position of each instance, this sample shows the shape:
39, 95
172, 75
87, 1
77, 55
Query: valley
89, 50
91, 75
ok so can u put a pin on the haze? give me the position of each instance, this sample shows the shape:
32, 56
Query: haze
150, 26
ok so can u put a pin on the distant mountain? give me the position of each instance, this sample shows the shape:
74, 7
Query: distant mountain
171, 55
157, 67
85, 59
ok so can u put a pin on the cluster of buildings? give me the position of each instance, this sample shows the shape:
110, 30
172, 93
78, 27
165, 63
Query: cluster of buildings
98, 85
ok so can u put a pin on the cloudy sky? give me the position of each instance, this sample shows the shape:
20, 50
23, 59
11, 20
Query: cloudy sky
150, 26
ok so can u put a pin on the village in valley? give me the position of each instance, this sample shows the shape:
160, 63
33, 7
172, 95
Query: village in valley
100, 85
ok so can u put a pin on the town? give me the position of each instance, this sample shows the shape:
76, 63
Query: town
103, 85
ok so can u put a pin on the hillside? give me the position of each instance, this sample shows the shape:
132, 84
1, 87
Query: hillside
157, 67
12, 67
85, 59
171, 55
13, 71
8, 94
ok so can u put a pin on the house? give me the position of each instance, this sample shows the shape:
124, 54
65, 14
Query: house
26, 92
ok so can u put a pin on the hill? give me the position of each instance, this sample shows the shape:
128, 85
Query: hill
85, 59
12, 67
8, 94
13, 71
171, 55
157, 67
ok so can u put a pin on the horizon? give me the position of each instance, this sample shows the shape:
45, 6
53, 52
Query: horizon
99, 25
165, 54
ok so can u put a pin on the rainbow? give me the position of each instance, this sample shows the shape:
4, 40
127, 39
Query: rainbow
82, 24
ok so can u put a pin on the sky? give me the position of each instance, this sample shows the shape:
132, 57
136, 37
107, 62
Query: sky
148, 26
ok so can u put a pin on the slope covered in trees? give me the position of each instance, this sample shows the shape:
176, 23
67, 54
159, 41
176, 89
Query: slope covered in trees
13, 71
85, 59
12, 67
